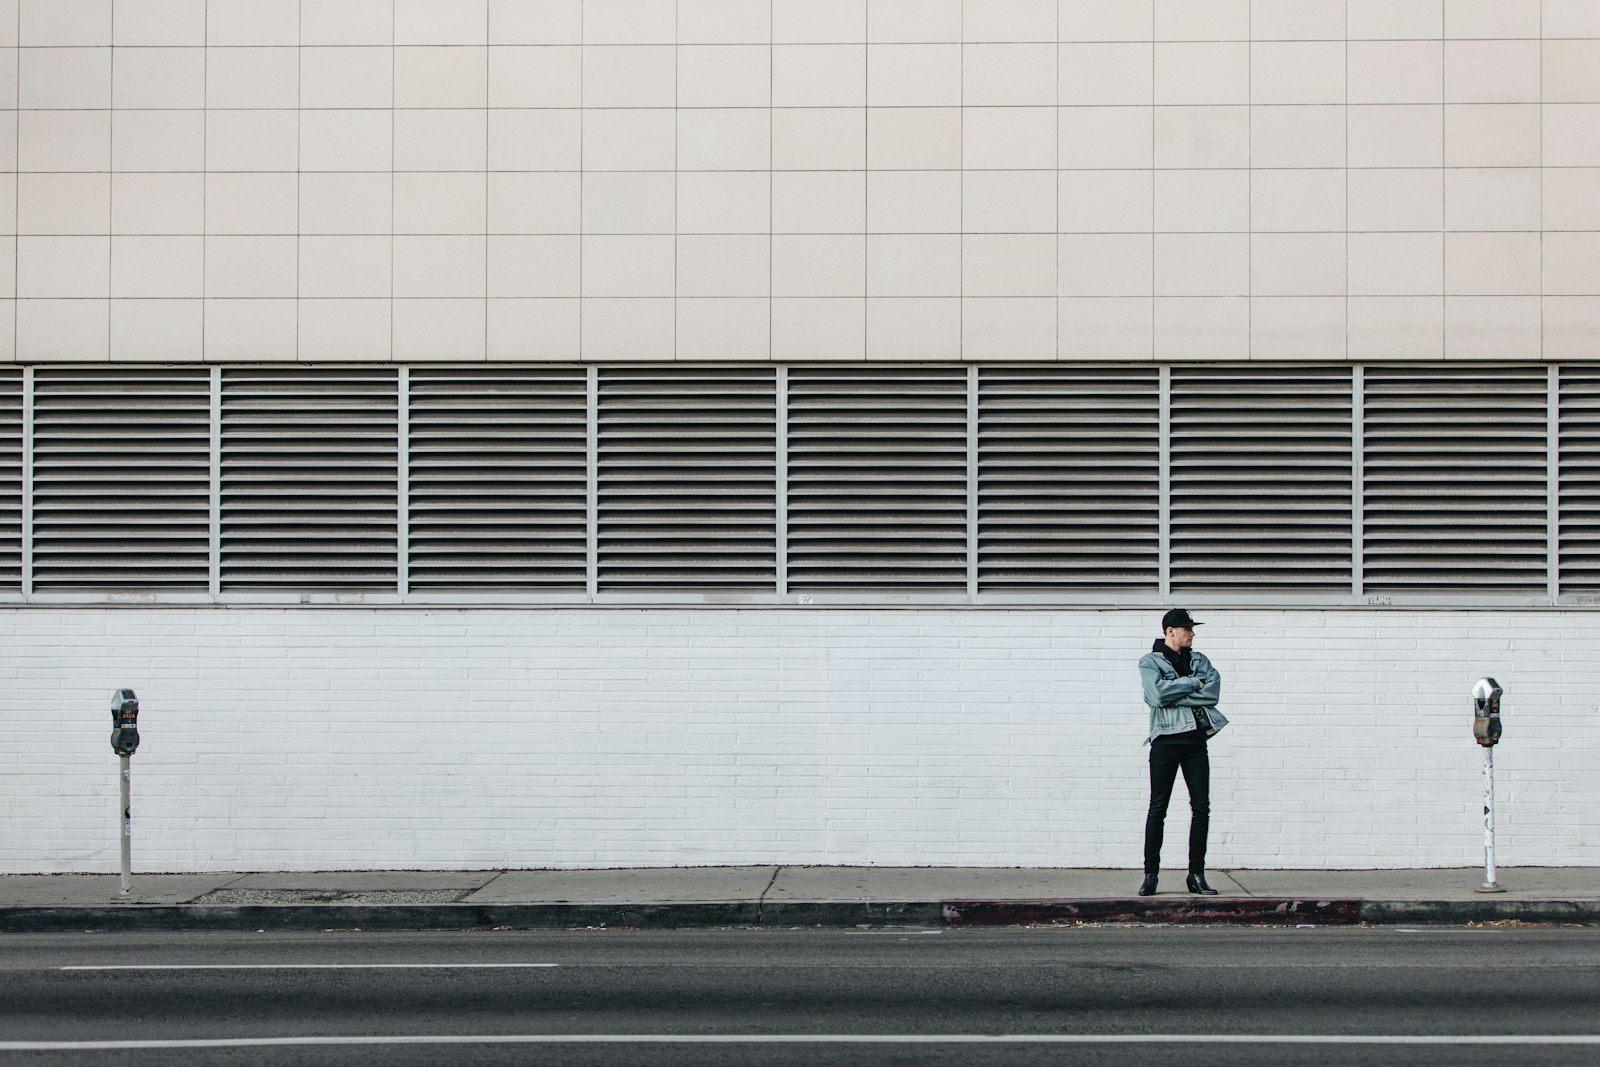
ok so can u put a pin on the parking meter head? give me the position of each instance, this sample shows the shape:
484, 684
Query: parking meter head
1486, 694
124, 722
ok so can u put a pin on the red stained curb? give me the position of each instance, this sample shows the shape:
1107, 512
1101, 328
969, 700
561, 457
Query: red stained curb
1144, 910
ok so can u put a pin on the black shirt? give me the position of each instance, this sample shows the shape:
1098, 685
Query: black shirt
1183, 662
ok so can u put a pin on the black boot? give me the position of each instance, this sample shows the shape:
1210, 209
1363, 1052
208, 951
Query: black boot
1197, 884
1148, 886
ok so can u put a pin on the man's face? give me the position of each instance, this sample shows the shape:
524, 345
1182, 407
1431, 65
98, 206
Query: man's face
1179, 638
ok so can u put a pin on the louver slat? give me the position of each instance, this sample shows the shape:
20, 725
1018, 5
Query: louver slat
1261, 479
309, 478
877, 479
497, 478
1455, 492
121, 479
1579, 507
10, 480
687, 489
1068, 462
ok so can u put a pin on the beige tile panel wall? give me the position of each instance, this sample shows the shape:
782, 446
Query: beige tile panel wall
799, 179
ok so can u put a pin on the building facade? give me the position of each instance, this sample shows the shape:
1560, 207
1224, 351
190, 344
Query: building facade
633, 432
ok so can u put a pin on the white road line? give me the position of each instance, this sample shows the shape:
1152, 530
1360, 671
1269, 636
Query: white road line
813, 1039
301, 966
1473, 965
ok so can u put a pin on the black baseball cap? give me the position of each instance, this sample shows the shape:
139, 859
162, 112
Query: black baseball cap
1178, 617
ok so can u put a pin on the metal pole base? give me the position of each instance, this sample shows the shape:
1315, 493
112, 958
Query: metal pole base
127, 827
1491, 884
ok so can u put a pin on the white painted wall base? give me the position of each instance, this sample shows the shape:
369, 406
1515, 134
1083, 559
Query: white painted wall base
357, 738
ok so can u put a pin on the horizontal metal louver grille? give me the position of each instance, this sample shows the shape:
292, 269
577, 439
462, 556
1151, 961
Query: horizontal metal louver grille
718, 483
309, 478
1261, 474
1455, 495
1579, 506
10, 479
687, 479
498, 469
1068, 478
877, 479
121, 479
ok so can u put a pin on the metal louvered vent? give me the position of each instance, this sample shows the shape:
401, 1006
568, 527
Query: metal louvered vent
874, 483
309, 478
687, 478
1455, 493
877, 478
497, 478
1579, 506
121, 478
1068, 469
10, 480
1261, 477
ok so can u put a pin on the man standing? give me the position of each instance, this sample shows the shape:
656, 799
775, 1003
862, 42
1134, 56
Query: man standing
1181, 687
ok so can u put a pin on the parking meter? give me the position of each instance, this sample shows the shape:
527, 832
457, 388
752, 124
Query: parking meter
1486, 693
124, 722
124, 742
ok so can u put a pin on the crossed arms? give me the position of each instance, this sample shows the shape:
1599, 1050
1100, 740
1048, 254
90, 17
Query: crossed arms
1202, 689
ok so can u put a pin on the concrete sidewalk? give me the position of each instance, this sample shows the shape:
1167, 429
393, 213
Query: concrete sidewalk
786, 896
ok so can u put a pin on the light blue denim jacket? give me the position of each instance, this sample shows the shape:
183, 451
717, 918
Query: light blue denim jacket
1171, 696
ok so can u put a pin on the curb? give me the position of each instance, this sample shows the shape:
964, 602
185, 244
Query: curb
159, 917
1252, 910
1581, 912
837, 914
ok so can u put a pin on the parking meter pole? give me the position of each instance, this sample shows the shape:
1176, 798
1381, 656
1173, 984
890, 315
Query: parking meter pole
1486, 694
1489, 885
127, 825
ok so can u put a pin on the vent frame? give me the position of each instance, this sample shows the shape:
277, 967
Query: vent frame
1034, 427
301, 447
1428, 482
675, 450
857, 476
119, 487
465, 529
1259, 493
15, 484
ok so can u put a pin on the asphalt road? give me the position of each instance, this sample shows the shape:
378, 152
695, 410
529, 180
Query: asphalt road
1112, 995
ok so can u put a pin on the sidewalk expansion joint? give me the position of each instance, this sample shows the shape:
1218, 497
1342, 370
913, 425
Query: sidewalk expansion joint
478, 889
232, 881
761, 901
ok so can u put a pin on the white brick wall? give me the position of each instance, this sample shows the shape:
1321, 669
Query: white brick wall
794, 179
356, 738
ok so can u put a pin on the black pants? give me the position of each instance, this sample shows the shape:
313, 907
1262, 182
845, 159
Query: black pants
1167, 754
